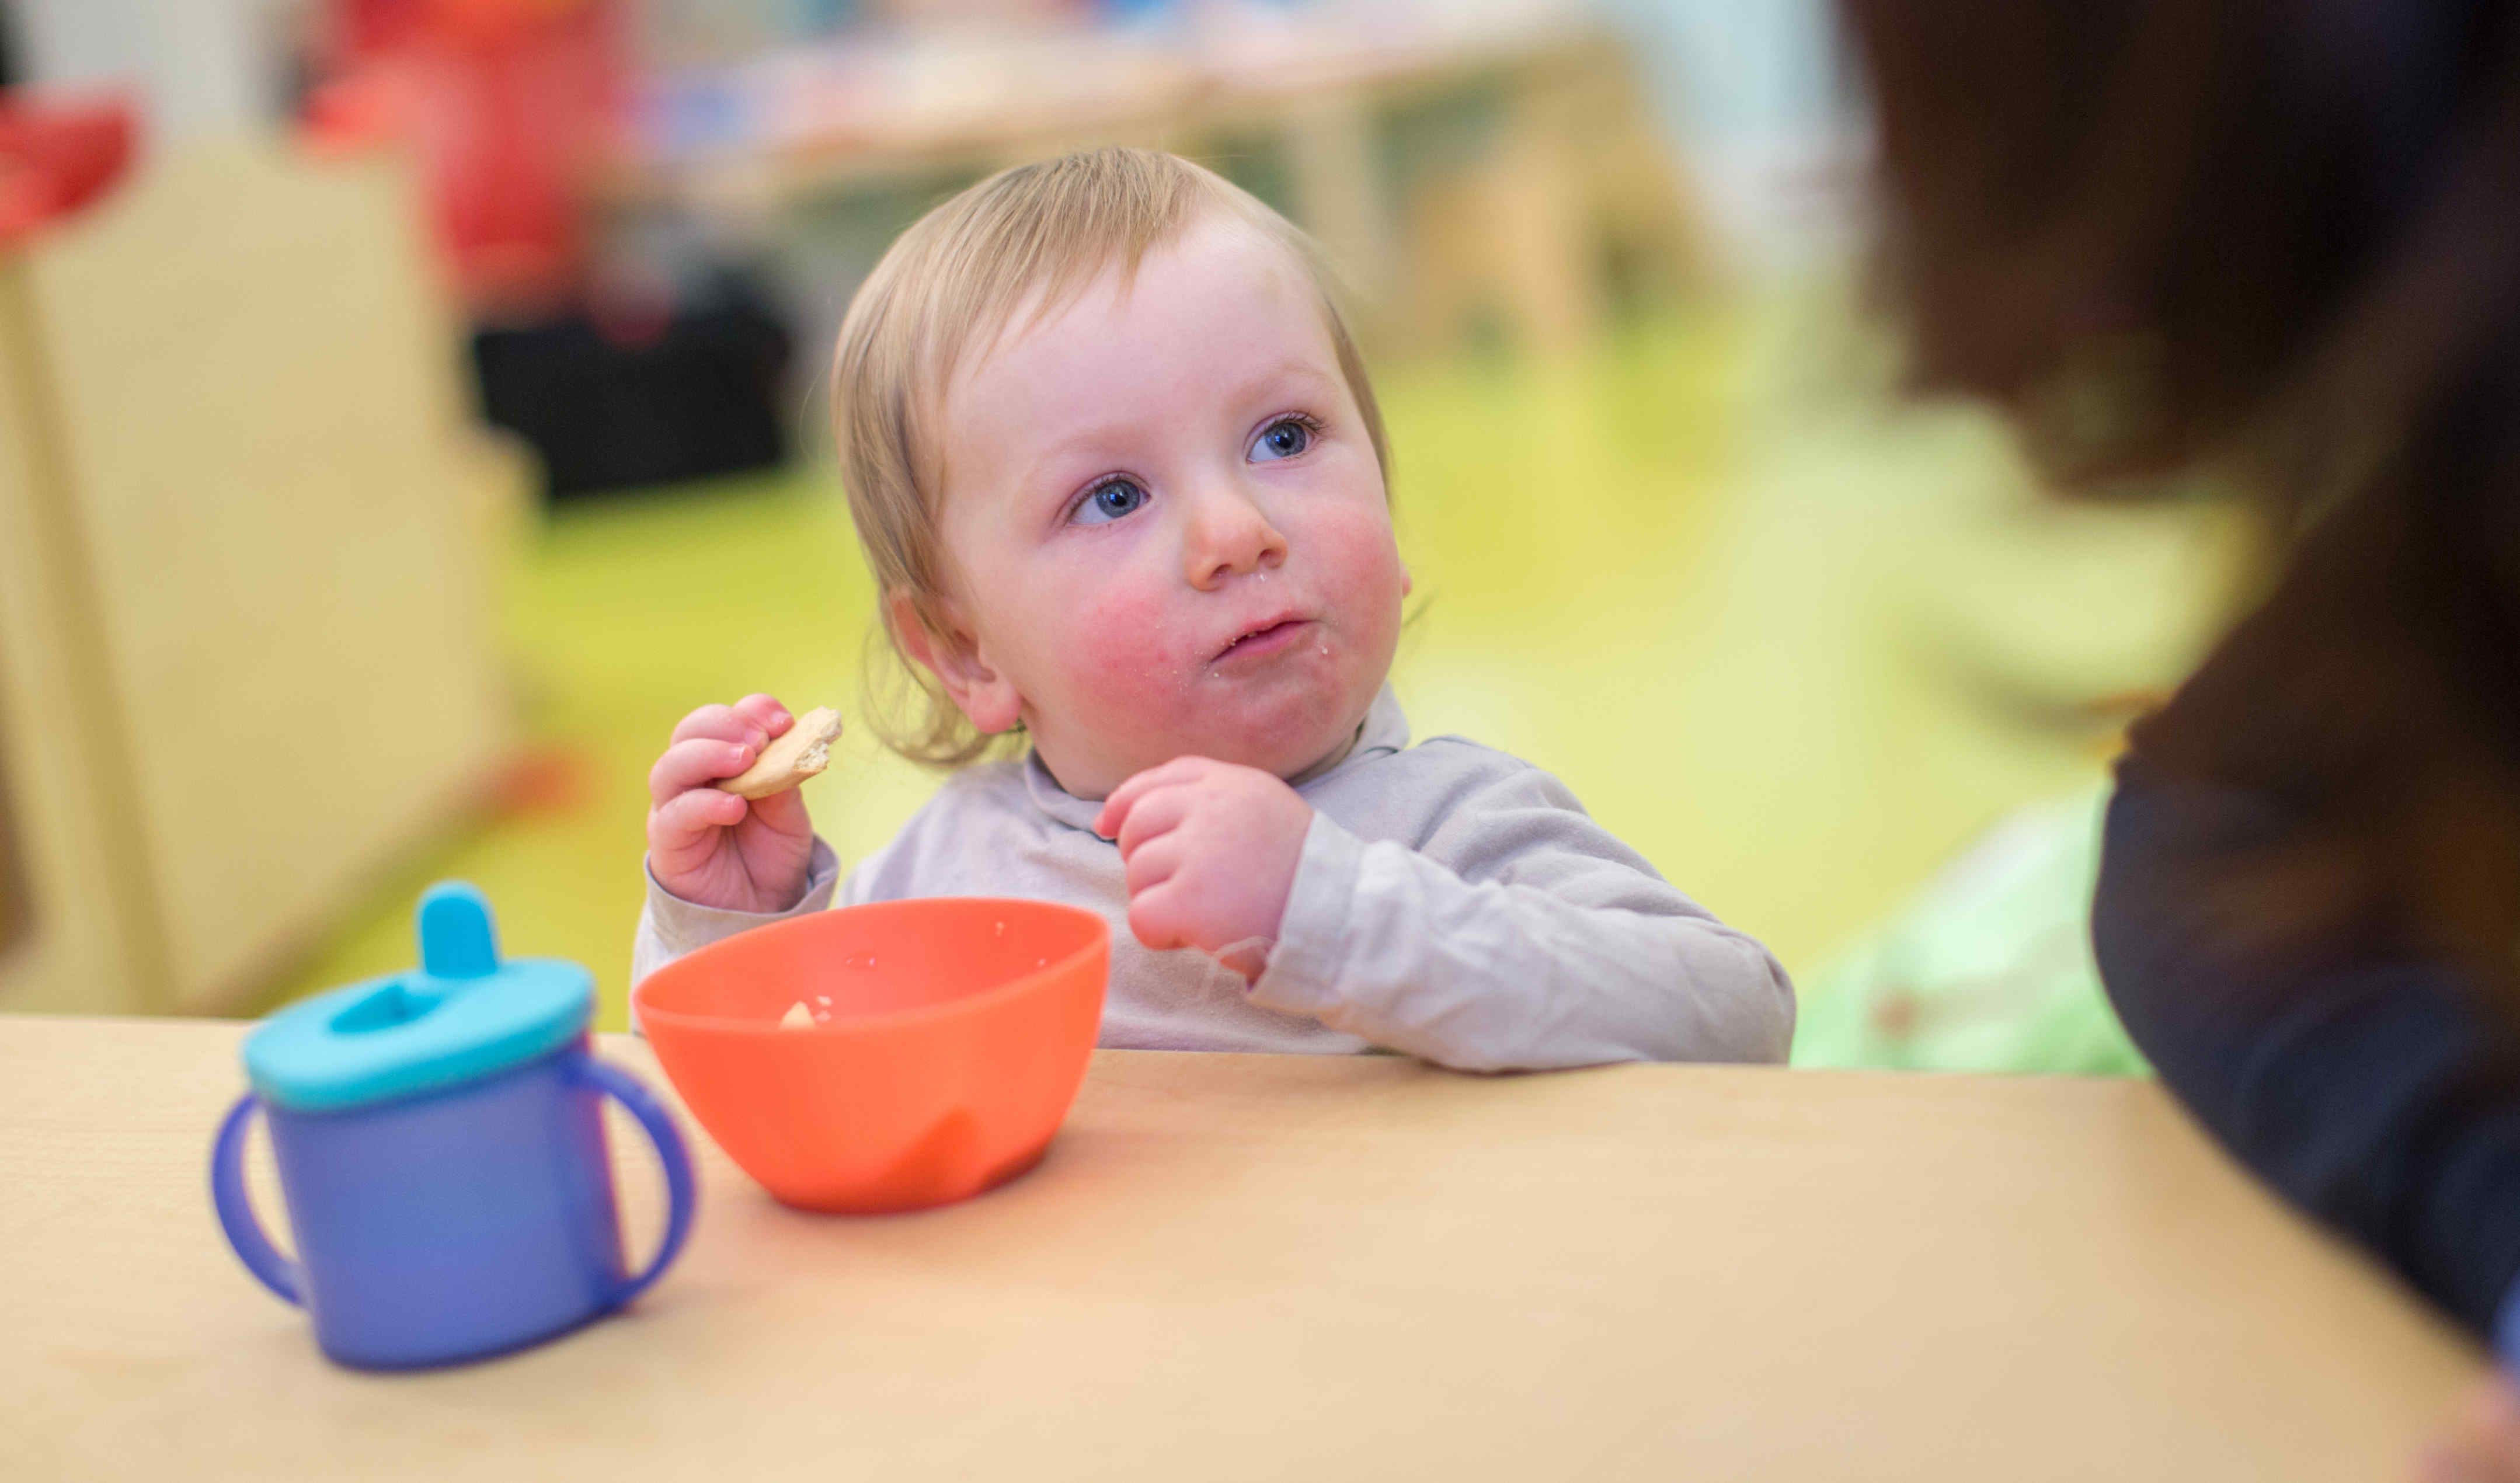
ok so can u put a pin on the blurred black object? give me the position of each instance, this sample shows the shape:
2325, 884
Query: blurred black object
10, 74
616, 402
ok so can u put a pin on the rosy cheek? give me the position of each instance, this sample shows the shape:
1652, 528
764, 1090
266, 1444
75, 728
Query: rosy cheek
1118, 642
1357, 547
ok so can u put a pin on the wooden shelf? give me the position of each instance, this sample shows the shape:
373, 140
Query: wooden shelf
245, 652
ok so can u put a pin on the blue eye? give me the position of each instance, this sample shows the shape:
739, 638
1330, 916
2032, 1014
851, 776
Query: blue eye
1110, 500
1283, 438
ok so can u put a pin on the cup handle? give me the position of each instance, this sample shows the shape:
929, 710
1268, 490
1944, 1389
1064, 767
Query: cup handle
236, 1212
681, 1189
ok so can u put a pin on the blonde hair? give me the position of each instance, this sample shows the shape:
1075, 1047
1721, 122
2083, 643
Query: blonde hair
1040, 234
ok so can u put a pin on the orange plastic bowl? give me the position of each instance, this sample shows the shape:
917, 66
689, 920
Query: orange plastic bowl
959, 1031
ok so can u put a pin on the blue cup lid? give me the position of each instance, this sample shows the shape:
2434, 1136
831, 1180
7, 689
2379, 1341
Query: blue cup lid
460, 1016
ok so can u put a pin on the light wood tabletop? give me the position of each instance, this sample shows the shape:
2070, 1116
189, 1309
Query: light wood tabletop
1266, 1268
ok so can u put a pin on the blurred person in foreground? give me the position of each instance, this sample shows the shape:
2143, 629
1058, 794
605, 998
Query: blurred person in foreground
2277, 244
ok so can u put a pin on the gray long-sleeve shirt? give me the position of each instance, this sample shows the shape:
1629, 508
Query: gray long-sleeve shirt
1451, 902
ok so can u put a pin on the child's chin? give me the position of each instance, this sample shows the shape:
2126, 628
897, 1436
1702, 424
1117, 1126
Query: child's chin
1284, 742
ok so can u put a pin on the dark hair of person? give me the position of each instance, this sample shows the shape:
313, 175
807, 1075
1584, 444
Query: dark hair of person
2277, 242
2164, 233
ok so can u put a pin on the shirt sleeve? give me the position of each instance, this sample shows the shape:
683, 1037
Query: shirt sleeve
670, 927
1522, 935
2372, 1088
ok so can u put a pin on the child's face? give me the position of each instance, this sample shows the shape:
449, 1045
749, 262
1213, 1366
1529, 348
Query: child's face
1168, 528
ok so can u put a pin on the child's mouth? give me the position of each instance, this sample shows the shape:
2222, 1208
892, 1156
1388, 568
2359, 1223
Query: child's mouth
1285, 632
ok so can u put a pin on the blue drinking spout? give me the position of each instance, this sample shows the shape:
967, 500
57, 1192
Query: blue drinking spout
458, 942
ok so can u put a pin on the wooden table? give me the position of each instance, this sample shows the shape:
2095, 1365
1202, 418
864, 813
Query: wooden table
1283, 1268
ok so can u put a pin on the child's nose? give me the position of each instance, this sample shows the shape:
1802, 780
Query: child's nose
1228, 537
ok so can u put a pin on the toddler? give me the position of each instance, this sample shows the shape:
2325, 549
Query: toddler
1119, 475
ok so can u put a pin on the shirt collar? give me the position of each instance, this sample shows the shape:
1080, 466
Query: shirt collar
1384, 730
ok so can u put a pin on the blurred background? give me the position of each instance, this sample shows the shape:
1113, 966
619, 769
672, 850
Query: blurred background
410, 408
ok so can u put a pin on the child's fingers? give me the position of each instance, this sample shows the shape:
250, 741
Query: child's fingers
1154, 922
718, 723
766, 712
694, 764
1154, 816
1115, 809
1152, 866
689, 822
782, 812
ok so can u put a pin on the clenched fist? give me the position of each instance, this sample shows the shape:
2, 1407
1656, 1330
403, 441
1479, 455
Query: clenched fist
1210, 850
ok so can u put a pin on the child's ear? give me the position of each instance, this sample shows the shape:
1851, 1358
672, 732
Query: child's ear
977, 687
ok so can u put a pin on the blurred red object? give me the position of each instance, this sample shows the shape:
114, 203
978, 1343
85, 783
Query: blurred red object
510, 104
55, 157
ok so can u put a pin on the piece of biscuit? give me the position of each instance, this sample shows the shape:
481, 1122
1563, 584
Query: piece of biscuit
791, 757
797, 1018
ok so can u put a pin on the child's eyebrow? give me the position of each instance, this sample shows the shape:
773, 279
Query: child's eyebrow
1071, 448
1294, 372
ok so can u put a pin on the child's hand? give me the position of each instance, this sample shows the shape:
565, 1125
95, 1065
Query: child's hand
710, 847
1211, 851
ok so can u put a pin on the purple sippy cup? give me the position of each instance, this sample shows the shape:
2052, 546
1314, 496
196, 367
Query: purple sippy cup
440, 1142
